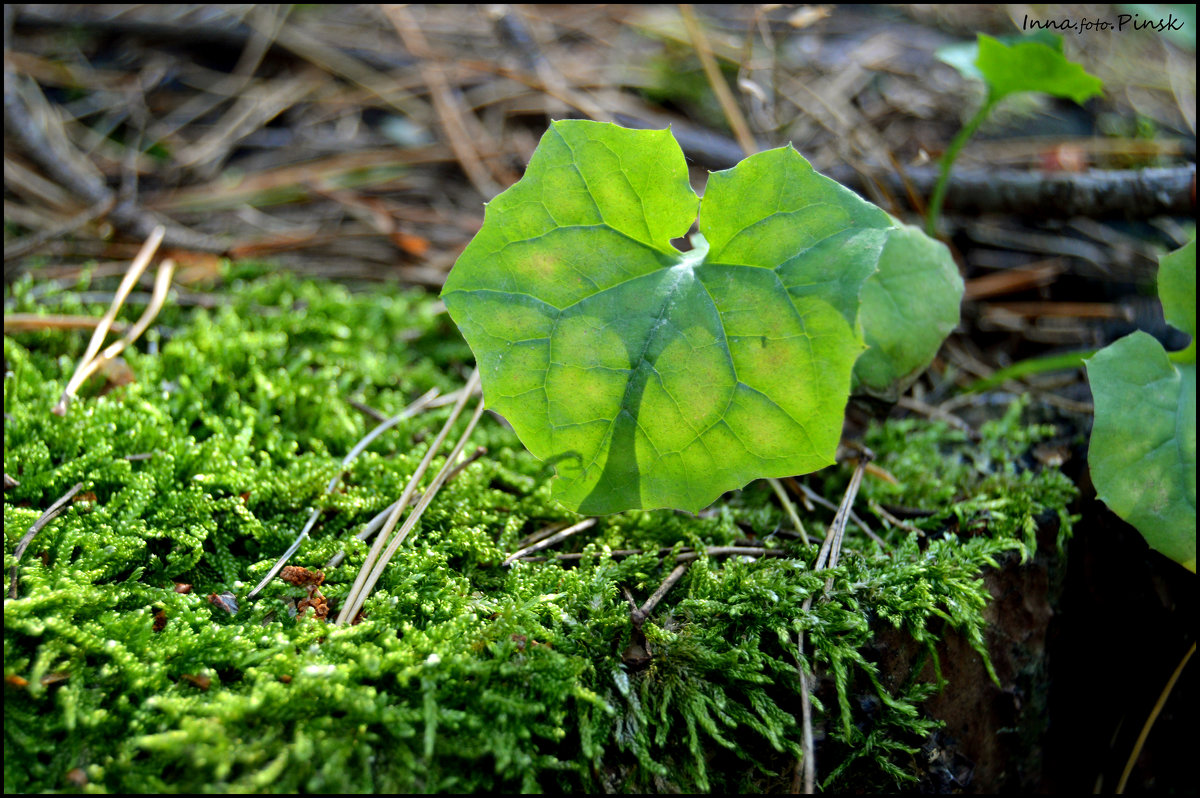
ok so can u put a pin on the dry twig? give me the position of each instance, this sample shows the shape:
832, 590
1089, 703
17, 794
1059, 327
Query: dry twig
586, 523
684, 555
27, 538
376, 560
827, 558
136, 268
424, 401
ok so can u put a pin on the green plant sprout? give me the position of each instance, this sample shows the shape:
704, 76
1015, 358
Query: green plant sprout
1143, 448
1008, 66
655, 378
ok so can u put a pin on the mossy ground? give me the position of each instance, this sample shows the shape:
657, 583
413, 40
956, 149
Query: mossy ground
463, 675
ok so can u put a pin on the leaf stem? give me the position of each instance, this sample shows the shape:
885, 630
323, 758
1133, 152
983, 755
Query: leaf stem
948, 158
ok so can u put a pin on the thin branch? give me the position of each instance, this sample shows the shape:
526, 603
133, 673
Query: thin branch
543, 533
366, 410
931, 411
882, 512
351, 608
684, 555
136, 268
417, 406
27, 538
23, 322
586, 523
1145, 732
664, 588
788, 507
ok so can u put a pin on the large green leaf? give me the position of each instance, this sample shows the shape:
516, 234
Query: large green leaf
1142, 453
653, 377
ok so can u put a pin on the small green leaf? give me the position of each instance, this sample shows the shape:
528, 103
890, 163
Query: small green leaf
962, 55
909, 306
653, 377
1032, 65
1177, 288
1143, 449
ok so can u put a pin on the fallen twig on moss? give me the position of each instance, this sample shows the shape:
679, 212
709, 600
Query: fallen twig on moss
684, 554
550, 541
827, 557
420, 404
136, 268
376, 523
162, 283
373, 567
51, 512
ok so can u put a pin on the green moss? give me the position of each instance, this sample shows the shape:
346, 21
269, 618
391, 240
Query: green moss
464, 675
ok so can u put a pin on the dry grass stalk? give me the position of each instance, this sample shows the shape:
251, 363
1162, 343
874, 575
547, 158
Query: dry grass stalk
162, 284
365, 582
461, 128
136, 268
587, 523
827, 557
23, 322
422, 403
729, 106
788, 507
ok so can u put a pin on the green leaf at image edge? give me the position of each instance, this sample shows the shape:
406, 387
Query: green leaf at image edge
653, 377
1177, 292
1142, 453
